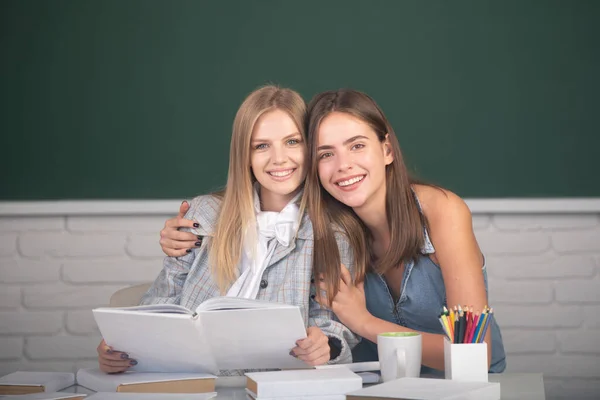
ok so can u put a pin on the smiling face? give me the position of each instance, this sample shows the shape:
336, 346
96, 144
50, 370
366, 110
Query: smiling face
352, 161
277, 158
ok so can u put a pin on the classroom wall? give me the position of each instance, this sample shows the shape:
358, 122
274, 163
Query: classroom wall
544, 275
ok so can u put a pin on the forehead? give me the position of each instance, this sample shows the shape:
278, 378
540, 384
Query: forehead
274, 124
339, 126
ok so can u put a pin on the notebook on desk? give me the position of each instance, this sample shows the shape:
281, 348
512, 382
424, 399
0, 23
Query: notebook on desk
24, 382
46, 396
428, 389
145, 382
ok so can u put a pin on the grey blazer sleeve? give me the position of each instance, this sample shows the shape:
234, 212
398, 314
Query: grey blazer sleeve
325, 319
168, 286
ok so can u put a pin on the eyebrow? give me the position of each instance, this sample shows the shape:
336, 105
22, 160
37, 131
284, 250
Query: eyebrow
291, 135
347, 141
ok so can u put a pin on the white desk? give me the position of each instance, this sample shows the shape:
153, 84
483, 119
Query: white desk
512, 387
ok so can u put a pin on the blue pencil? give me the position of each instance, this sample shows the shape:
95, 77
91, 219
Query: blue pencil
478, 327
487, 323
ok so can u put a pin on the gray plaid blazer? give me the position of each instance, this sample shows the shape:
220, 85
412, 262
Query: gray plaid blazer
187, 280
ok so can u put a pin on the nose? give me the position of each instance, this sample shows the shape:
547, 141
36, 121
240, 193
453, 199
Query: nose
279, 155
344, 162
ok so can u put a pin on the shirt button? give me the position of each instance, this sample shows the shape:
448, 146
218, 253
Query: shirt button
263, 284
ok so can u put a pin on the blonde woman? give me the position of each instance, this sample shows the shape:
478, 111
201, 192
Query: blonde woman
254, 240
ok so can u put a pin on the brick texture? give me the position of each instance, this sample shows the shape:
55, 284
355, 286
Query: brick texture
544, 275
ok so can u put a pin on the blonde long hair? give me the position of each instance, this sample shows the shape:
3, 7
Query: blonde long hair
237, 211
406, 223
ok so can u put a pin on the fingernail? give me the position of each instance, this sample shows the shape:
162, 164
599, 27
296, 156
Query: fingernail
124, 356
199, 237
198, 244
188, 251
312, 280
133, 362
312, 296
196, 225
292, 353
109, 351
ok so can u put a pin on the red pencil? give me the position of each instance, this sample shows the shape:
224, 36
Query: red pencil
473, 326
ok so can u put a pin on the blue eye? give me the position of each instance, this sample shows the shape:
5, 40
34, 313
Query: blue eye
293, 141
260, 146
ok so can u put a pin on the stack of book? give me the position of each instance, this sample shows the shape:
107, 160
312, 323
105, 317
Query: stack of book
25, 382
146, 382
305, 384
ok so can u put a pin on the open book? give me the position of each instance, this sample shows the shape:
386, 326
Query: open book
222, 333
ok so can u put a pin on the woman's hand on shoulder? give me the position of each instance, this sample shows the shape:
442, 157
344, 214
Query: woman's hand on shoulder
111, 361
175, 243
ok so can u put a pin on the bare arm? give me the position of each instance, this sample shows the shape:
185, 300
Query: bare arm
460, 261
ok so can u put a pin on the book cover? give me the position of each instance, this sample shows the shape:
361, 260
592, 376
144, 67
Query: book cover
151, 396
145, 382
306, 382
46, 396
24, 382
251, 396
245, 333
428, 389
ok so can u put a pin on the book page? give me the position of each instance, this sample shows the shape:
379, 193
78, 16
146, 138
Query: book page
237, 303
254, 338
158, 342
155, 308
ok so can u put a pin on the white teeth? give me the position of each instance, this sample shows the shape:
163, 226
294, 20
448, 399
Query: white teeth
281, 173
351, 181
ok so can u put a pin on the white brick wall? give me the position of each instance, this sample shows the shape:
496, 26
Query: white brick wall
543, 270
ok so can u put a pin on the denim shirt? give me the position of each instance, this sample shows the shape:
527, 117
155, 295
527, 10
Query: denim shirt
422, 297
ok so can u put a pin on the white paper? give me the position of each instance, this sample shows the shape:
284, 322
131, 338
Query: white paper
254, 339
158, 342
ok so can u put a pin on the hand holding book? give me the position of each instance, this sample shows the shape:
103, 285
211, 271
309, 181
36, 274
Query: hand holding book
112, 361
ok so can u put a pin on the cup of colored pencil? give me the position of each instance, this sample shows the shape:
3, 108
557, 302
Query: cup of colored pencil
462, 325
465, 352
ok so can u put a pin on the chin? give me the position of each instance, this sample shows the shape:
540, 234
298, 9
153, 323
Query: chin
352, 202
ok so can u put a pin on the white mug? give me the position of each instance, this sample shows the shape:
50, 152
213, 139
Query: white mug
399, 355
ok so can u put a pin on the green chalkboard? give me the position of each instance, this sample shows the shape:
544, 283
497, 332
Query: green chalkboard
134, 99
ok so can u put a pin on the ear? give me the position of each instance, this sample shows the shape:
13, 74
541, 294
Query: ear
388, 155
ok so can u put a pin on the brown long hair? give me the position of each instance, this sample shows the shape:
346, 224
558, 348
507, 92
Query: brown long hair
237, 211
406, 223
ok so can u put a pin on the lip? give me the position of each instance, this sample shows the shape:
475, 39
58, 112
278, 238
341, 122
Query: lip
281, 178
352, 186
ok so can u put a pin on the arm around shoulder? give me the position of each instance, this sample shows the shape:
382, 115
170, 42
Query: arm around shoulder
168, 286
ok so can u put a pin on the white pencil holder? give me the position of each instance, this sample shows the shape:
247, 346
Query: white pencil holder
466, 361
